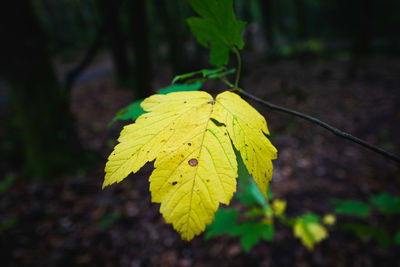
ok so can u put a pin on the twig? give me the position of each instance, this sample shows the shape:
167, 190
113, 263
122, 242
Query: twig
332, 129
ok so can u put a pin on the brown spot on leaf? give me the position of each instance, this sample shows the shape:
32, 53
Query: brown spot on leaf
193, 162
189, 144
174, 182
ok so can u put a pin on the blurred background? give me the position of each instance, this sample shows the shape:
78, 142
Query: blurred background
67, 67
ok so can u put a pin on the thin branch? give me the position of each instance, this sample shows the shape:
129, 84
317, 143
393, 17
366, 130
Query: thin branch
332, 129
239, 66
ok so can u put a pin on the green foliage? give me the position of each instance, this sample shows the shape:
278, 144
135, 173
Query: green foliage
365, 231
253, 232
225, 222
134, 110
250, 194
216, 28
351, 207
7, 183
7, 223
108, 219
250, 233
386, 203
397, 238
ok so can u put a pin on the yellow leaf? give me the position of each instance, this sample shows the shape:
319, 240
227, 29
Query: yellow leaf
329, 219
195, 165
310, 233
279, 206
247, 129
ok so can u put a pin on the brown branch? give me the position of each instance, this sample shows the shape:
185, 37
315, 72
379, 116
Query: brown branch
330, 128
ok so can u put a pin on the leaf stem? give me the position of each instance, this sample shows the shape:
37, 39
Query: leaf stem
225, 80
239, 66
325, 125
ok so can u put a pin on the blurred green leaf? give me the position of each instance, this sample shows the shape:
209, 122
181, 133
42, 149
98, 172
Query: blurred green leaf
386, 203
216, 28
252, 232
397, 238
180, 88
250, 194
350, 207
107, 220
6, 183
134, 110
309, 230
8, 223
224, 223
370, 232
329, 219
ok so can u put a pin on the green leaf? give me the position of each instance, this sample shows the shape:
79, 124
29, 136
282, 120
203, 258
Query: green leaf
180, 88
350, 207
397, 238
253, 232
224, 223
7, 183
134, 110
250, 194
107, 220
386, 203
309, 230
216, 28
8, 223
370, 232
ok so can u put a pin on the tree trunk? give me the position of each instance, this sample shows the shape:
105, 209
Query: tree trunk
141, 53
300, 11
109, 10
267, 22
171, 34
41, 107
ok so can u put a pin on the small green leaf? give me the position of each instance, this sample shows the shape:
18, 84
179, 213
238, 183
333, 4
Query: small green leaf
250, 194
350, 207
224, 223
370, 232
180, 88
386, 203
216, 28
397, 238
7, 223
107, 220
253, 232
309, 230
7, 183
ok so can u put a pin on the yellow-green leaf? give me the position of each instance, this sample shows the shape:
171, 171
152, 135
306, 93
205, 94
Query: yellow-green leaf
309, 230
247, 129
195, 164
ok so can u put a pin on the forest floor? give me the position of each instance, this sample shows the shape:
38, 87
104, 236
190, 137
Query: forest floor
70, 221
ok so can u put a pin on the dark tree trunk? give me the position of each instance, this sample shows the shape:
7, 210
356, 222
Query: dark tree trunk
172, 35
267, 22
44, 121
109, 10
300, 12
141, 52
362, 27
